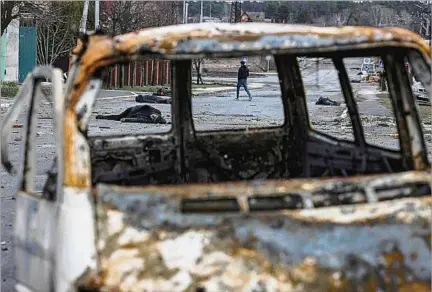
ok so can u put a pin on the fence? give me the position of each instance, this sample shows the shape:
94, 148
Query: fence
139, 73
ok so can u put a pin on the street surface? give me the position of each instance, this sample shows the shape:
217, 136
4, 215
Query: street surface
213, 111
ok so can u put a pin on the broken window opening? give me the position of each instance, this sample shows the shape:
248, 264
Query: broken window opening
135, 98
368, 81
328, 113
235, 97
420, 76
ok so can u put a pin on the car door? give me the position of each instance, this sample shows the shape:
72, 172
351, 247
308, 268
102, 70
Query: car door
36, 211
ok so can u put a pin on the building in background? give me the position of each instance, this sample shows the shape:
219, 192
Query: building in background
10, 52
256, 16
254, 11
245, 17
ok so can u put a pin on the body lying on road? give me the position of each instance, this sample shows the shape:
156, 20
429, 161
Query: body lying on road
137, 114
151, 98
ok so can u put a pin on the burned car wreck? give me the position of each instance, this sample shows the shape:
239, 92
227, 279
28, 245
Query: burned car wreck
272, 209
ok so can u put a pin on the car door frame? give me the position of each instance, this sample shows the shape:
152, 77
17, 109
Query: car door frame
412, 146
36, 213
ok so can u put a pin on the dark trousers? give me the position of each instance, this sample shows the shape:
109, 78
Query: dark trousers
242, 83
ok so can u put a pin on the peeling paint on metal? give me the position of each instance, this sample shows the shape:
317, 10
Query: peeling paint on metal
127, 263
185, 261
132, 236
307, 250
115, 222
76, 238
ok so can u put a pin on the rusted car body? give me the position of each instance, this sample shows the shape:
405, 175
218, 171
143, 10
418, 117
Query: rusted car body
229, 210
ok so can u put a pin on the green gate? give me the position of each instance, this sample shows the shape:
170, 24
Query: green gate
27, 51
3, 56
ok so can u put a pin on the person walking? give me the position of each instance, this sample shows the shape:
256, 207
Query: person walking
243, 74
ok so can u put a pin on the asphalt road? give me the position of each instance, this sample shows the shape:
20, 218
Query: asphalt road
210, 112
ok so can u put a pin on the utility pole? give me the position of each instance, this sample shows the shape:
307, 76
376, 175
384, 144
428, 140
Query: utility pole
235, 13
187, 11
210, 9
200, 65
82, 27
83, 24
184, 11
97, 14
201, 12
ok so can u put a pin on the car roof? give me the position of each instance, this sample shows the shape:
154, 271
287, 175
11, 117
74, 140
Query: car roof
214, 38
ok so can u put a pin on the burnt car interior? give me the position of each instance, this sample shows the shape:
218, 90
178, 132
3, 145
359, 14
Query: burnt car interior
293, 150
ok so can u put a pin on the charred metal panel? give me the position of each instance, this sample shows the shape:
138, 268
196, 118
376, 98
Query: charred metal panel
259, 154
351, 104
139, 160
147, 243
417, 143
295, 111
221, 37
35, 246
338, 158
182, 112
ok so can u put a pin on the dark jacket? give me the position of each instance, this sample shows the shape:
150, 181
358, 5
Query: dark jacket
243, 72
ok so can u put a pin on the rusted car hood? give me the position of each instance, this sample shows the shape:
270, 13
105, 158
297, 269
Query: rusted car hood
148, 242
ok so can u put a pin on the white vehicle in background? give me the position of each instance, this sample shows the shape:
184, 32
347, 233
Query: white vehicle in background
420, 93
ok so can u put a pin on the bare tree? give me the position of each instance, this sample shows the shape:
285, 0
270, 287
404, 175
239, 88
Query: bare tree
54, 36
376, 14
124, 16
422, 19
320, 21
11, 10
389, 16
341, 17
405, 19
120, 17
83, 24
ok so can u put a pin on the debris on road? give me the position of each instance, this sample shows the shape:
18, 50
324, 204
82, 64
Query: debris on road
137, 114
17, 126
326, 101
152, 98
423, 100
